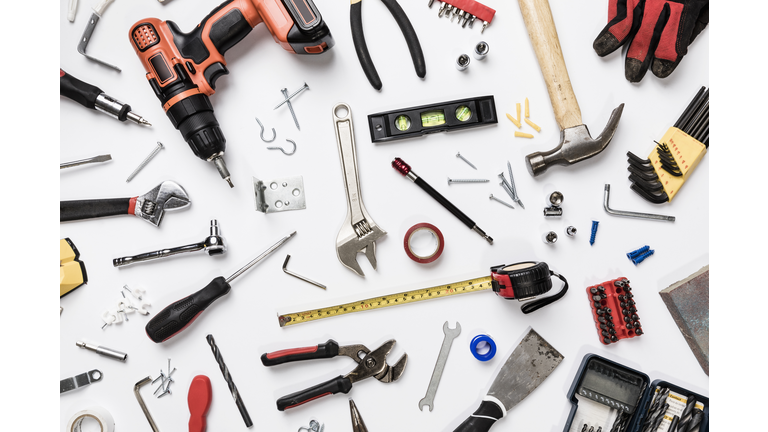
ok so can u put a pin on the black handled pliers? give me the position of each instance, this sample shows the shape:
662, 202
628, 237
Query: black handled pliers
369, 364
358, 37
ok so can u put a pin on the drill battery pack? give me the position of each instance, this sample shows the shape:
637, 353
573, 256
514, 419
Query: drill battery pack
71, 270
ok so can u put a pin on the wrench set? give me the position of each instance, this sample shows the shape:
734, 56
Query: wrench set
182, 70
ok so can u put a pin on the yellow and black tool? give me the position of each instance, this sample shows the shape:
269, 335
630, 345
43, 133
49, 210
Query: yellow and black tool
71, 270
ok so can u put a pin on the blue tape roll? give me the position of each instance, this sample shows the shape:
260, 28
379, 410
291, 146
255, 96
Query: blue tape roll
476, 341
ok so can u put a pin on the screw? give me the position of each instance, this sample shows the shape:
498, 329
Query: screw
146, 161
570, 231
458, 155
304, 87
290, 107
498, 200
551, 238
508, 186
450, 180
164, 393
125, 287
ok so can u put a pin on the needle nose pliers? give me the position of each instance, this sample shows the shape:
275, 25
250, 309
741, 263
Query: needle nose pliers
370, 364
358, 37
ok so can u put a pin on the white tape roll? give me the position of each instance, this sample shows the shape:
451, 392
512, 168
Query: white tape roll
97, 414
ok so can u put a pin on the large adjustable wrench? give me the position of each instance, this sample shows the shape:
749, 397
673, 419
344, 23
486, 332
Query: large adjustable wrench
359, 232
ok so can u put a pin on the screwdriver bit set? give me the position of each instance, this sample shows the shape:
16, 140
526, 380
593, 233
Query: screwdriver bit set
467, 11
614, 310
633, 402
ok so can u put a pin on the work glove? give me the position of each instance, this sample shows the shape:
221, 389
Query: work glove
658, 33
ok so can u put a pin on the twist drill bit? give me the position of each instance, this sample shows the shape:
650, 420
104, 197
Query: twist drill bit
230, 383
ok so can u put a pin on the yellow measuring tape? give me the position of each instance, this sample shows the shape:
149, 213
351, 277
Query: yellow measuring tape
468, 286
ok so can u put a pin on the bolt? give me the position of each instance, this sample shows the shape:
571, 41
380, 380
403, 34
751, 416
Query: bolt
146, 161
458, 155
498, 200
450, 180
289, 97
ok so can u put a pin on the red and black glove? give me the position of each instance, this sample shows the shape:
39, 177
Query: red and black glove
658, 33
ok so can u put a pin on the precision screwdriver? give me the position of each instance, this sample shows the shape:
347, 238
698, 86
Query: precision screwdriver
179, 315
92, 97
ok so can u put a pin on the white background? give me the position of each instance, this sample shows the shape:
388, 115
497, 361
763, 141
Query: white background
244, 323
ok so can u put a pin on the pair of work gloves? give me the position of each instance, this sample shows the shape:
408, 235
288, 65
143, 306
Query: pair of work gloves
658, 33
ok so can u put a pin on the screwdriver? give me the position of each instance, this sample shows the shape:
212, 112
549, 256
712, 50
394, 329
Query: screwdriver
179, 315
92, 97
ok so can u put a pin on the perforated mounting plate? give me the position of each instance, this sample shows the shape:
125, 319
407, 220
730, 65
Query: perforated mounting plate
279, 195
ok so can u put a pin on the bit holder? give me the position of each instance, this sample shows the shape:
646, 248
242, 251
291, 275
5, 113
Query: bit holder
614, 311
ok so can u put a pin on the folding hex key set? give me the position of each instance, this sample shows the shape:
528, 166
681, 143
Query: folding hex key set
182, 70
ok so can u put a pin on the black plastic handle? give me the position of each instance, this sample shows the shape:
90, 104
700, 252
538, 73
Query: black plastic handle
445, 203
179, 315
81, 92
88, 209
321, 351
340, 384
358, 38
417, 55
482, 419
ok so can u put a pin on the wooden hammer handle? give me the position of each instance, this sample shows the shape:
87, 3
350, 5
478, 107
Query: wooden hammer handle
543, 34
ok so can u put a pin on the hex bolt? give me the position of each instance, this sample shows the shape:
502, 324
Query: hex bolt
458, 155
450, 180
500, 201
146, 161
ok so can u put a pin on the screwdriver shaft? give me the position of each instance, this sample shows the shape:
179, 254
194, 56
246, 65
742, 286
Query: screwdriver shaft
95, 159
260, 257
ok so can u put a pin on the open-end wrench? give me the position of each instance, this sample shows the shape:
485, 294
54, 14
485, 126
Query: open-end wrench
450, 335
359, 232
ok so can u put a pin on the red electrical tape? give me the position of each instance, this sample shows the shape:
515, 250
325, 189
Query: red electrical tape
481, 11
424, 259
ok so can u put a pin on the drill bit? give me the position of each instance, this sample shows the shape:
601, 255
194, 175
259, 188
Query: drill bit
230, 383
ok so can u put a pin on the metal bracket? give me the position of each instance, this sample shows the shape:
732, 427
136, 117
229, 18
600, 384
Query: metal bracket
81, 380
279, 195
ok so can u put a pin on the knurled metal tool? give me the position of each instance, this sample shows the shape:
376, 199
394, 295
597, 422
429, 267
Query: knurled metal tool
212, 245
369, 364
167, 196
359, 232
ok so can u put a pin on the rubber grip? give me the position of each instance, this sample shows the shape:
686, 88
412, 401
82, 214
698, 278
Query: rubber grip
447, 204
81, 92
482, 419
340, 384
89, 209
417, 55
327, 350
358, 38
199, 401
177, 316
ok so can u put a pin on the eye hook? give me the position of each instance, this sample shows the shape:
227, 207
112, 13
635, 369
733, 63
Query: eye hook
274, 134
283, 150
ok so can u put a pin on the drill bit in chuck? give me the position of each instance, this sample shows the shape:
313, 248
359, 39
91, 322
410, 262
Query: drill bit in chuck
218, 161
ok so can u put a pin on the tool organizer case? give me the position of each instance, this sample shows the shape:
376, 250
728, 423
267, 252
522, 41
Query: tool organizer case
646, 395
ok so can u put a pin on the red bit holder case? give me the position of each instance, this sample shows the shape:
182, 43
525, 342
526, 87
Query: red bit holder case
615, 311
481, 11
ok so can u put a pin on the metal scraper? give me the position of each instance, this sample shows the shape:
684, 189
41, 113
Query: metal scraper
525, 369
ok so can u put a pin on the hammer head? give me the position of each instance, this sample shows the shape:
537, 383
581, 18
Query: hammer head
576, 145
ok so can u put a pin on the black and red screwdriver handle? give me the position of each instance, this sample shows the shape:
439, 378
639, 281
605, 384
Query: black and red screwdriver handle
325, 350
89, 209
179, 315
81, 92
340, 384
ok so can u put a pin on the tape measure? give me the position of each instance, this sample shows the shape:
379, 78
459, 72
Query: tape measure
468, 286
521, 281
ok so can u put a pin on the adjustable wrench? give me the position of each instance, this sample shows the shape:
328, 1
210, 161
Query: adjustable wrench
450, 335
359, 232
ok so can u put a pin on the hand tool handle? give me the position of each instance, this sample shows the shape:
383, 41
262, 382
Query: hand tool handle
199, 401
325, 350
414, 47
162, 253
179, 315
88, 209
340, 384
81, 92
361, 48
447, 204
482, 419
543, 34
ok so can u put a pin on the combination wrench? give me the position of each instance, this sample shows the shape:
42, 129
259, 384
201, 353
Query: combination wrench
450, 335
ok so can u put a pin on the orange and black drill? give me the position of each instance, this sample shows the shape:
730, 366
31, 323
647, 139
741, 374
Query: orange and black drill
182, 68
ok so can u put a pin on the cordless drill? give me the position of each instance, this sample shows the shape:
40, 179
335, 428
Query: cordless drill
182, 68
